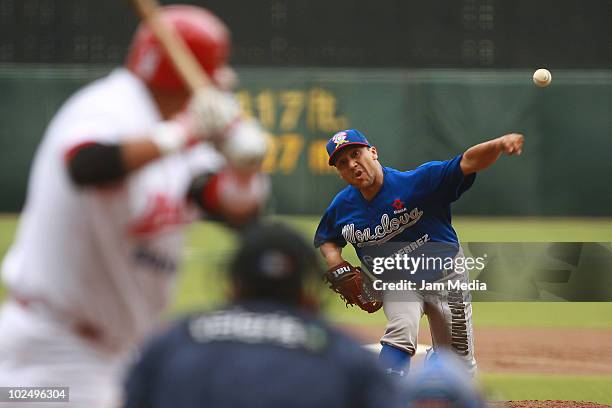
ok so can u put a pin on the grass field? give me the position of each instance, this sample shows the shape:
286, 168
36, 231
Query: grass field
504, 387
202, 284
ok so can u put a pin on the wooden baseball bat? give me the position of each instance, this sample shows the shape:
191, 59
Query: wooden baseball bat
181, 56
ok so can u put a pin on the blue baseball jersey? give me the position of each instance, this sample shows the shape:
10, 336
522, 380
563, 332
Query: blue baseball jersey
412, 207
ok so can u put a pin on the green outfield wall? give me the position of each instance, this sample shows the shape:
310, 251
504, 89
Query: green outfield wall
411, 116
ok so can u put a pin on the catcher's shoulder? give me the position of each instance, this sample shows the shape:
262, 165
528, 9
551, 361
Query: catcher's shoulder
343, 345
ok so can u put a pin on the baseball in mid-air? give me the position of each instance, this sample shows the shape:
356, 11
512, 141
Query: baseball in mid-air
542, 77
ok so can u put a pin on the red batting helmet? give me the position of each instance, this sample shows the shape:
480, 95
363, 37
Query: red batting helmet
206, 36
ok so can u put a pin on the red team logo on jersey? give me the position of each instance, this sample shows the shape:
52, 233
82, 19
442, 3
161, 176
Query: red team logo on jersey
162, 212
399, 206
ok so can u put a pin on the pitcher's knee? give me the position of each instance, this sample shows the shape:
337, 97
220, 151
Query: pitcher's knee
401, 335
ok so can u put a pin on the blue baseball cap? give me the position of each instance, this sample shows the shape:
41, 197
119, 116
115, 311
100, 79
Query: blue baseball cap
342, 139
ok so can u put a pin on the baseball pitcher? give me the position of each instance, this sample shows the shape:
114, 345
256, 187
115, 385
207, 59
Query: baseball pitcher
383, 208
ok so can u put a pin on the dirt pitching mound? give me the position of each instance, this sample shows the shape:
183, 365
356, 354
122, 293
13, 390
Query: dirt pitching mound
548, 404
527, 349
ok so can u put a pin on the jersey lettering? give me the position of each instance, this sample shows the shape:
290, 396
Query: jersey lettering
162, 213
387, 229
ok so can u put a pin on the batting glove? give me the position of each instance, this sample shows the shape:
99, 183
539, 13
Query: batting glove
211, 112
236, 195
245, 145
209, 116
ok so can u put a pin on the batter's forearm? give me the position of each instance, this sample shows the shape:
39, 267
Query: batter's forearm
137, 153
94, 164
483, 155
332, 254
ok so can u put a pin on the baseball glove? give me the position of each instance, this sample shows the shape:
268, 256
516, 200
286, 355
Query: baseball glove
347, 281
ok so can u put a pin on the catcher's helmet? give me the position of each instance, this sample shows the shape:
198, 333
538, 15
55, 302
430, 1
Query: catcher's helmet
206, 36
274, 263
442, 381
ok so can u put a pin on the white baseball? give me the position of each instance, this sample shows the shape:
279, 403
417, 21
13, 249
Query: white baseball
542, 77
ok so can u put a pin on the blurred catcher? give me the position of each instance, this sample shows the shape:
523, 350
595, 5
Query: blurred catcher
442, 383
124, 166
267, 348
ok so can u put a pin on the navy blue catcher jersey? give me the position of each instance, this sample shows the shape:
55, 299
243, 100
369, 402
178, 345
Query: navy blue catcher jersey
412, 207
257, 354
